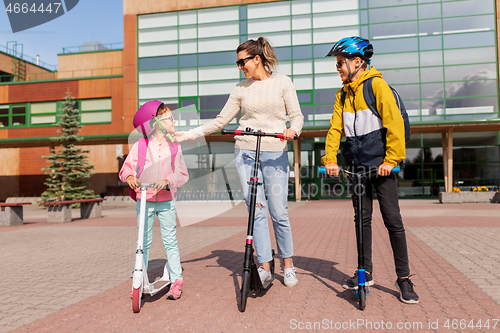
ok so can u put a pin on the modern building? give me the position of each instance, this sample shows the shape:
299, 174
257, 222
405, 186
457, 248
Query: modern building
442, 57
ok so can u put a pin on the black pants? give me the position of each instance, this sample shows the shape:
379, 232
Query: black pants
387, 194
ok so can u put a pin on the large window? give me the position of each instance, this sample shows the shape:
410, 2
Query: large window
422, 48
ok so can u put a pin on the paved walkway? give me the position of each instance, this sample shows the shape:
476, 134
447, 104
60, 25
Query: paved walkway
76, 276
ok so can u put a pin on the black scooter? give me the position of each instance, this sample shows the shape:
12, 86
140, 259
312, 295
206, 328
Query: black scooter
251, 279
359, 178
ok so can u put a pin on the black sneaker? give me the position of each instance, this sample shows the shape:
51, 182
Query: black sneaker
406, 292
352, 283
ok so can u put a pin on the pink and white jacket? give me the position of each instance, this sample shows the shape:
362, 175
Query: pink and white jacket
158, 166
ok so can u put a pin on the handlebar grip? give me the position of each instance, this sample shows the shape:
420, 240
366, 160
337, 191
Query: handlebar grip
230, 132
396, 169
280, 136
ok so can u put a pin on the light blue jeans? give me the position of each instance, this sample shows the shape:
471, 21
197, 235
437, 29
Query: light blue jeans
273, 172
165, 210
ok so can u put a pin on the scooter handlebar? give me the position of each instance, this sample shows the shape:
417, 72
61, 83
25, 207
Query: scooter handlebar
146, 185
258, 133
396, 169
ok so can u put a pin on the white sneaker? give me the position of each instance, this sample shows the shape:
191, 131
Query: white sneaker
290, 279
263, 274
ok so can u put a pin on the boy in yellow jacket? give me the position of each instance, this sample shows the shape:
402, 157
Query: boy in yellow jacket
371, 141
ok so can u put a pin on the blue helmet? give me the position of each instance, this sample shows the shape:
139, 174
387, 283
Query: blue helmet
352, 47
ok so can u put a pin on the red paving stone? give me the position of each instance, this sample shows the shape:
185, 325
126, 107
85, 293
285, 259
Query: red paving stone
325, 254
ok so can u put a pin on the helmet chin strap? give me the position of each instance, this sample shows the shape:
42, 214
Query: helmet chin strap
350, 75
164, 131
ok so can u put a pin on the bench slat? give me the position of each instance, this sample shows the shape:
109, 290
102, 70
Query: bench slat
12, 204
69, 202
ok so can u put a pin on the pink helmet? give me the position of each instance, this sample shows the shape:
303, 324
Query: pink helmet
143, 116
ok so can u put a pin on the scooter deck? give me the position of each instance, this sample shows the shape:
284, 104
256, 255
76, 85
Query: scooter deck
266, 284
157, 287
256, 284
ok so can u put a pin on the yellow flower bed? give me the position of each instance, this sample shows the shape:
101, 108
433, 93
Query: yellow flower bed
480, 189
455, 190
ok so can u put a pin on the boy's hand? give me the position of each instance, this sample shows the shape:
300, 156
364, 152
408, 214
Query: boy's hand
332, 169
132, 182
288, 135
384, 169
179, 137
160, 184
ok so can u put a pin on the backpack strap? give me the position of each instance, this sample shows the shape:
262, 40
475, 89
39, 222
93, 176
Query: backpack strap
141, 156
370, 97
342, 96
174, 148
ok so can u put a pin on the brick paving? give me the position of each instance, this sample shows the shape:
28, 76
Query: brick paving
76, 277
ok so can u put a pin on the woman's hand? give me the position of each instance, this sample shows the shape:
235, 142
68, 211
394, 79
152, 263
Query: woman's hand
179, 137
332, 169
288, 135
132, 182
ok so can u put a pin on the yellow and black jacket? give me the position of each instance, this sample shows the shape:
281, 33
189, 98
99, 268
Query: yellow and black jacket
370, 141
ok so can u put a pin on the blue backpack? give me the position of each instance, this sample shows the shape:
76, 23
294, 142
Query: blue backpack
372, 104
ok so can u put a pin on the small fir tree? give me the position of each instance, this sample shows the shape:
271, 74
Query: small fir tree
68, 167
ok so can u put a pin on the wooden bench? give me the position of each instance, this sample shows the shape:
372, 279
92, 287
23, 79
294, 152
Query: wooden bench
60, 211
12, 213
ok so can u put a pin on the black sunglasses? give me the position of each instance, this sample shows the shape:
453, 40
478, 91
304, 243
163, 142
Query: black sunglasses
243, 61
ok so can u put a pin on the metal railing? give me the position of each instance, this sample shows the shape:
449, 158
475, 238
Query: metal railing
93, 48
27, 58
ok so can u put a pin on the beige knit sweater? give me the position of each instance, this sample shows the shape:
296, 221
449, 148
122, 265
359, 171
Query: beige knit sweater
264, 105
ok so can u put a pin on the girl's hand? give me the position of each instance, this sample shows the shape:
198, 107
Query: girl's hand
132, 182
159, 184
179, 137
288, 135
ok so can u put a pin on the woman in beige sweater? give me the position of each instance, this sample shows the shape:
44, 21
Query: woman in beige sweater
264, 98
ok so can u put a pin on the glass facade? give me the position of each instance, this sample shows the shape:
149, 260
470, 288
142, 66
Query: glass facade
440, 55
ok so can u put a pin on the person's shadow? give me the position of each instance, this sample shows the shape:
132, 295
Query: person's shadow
322, 270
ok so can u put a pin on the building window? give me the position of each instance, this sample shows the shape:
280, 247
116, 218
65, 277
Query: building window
13, 115
95, 111
43, 113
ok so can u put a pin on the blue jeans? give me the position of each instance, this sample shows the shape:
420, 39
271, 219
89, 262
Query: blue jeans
165, 210
273, 172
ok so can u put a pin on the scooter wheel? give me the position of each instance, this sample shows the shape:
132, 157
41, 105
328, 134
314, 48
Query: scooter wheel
362, 299
245, 288
136, 300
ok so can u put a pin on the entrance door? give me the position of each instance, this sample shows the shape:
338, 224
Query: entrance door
325, 186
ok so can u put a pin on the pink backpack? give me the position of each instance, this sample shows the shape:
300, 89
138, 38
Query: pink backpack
143, 148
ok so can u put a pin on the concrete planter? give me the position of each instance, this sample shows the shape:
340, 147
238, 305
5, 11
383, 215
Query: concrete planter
468, 197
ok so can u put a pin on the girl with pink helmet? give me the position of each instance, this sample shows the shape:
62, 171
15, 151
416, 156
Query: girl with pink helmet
162, 165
